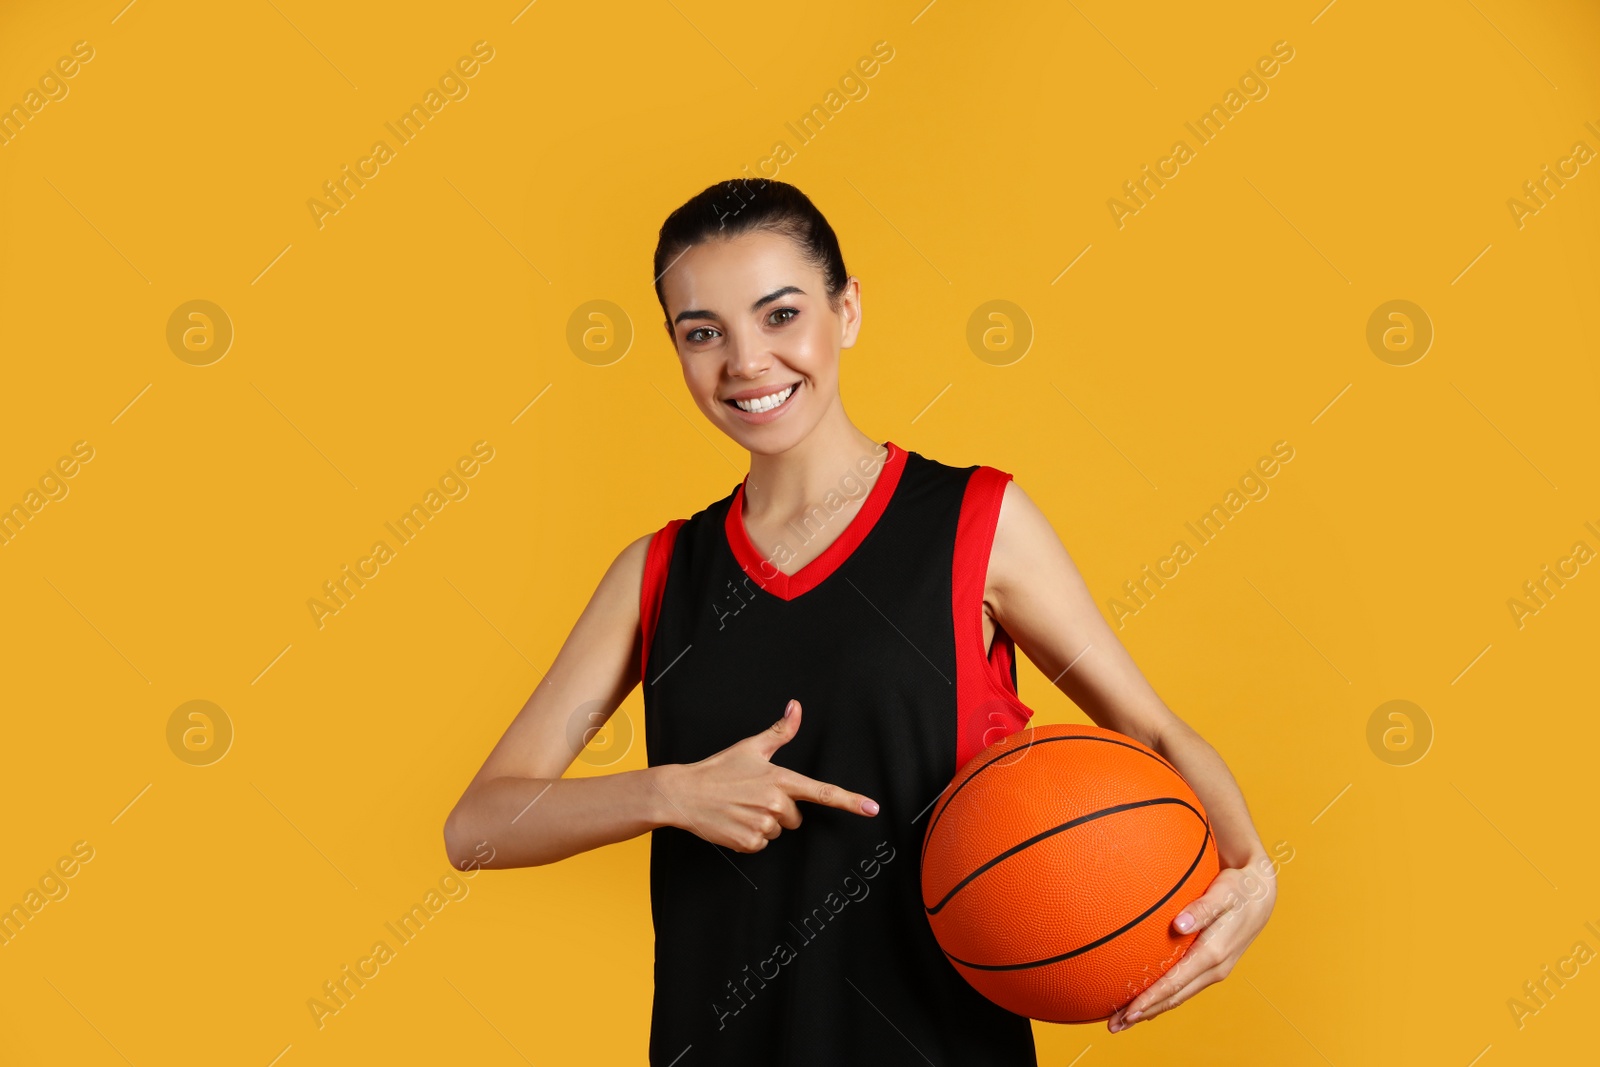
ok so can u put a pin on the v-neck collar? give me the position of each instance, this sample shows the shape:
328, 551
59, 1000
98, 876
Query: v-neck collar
769, 577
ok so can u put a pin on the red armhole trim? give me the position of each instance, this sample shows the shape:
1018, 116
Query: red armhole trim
656, 563
988, 709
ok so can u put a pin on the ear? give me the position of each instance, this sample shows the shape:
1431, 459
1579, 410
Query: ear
850, 312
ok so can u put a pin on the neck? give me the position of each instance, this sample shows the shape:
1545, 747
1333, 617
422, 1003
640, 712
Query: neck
786, 485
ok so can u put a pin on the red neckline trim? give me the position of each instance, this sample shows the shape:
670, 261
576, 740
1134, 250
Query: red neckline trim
788, 586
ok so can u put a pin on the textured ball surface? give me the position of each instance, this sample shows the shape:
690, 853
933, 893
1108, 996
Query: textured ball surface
1054, 864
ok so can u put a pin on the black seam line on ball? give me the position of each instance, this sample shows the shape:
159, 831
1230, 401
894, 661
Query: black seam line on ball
1010, 752
1042, 834
1099, 941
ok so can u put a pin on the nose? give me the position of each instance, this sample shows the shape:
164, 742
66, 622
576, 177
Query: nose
747, 354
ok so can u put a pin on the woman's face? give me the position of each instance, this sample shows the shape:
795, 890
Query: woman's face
750, 319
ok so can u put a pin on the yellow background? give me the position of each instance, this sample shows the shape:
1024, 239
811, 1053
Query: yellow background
370, 353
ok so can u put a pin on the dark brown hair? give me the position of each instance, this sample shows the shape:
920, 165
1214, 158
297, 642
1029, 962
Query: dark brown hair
742, 205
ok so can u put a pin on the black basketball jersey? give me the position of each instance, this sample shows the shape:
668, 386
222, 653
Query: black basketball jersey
817, 950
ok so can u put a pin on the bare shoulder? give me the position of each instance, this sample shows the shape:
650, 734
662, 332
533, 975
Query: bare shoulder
1021, 527
625, 577
1026, 546
634, 552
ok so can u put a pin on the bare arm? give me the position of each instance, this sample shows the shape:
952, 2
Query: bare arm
1038, 596
518, 801
1035, 592
518, 810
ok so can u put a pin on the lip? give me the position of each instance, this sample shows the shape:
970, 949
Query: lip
759, 418
760, 391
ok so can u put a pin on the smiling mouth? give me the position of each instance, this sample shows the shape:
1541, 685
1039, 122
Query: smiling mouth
765, 403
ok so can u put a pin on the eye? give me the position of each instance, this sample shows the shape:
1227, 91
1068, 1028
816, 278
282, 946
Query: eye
692, 339
790, 312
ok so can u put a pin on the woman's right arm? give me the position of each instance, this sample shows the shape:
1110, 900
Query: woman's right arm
518, 802
520, 806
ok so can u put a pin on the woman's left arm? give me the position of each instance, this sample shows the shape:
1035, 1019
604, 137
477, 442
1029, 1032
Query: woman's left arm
1035, 593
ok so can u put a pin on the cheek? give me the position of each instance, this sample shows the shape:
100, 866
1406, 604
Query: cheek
812, 351
700, 376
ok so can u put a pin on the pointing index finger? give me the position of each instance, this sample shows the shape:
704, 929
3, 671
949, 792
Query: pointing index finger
801, 787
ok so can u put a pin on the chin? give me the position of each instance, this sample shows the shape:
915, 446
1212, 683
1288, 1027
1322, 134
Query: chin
767, 441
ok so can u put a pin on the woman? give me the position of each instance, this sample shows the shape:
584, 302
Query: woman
868, 597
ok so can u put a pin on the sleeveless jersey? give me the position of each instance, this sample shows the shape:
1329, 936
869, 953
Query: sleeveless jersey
817, 950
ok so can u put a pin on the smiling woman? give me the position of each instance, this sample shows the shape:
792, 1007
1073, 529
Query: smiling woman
778, 234
889, 627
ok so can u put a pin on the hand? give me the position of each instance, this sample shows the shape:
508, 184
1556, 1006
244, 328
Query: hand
1229, 915
740, 799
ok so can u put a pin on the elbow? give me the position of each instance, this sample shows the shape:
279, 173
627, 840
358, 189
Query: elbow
1176, 735
452, 837
459, 847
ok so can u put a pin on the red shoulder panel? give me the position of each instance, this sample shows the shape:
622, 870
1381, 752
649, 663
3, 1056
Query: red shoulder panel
987, 707
654, 585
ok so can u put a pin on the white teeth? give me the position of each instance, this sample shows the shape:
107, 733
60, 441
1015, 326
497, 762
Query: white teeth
766, 403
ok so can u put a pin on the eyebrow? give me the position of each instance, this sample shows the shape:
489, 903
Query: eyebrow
696, 313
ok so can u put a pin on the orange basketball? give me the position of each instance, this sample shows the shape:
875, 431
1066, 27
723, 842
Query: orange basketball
1054, 864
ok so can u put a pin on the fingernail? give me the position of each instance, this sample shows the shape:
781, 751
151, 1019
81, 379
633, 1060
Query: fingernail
870, 807
1132, 1017
1185, 923
788, 709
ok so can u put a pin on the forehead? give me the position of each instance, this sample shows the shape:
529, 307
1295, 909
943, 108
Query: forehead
729, 273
